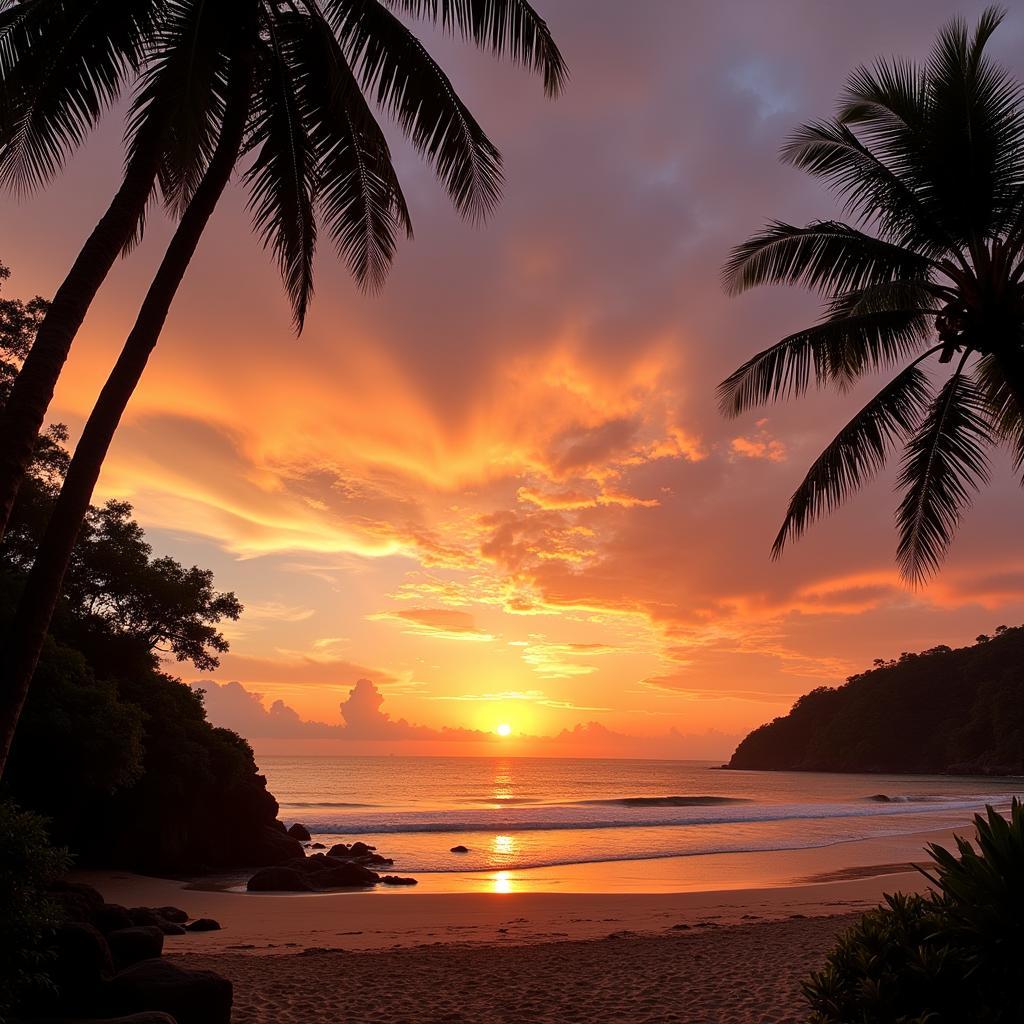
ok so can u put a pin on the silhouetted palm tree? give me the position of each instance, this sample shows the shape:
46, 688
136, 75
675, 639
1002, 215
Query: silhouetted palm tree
62, 63
288, 81
929, 162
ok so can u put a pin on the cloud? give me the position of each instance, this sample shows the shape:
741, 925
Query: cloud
445, 623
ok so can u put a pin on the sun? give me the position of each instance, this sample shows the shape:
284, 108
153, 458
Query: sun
504, 729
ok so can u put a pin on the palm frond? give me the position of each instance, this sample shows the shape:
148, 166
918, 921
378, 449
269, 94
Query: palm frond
871, 190
507, 27
835, 351
1001, 379
857, 452
179, 100
976, 137
282, 180
360, 199
827, 256
408, 84
62, 64
945, 462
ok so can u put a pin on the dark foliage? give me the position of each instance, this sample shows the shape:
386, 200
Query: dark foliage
945, 958
937, 711
28, 863
114, 751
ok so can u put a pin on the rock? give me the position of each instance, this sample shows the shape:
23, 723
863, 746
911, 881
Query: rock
110, 917
279, 880
203, 924
191, 997
344, 876
317, 846
375, 858
82, 962
173, 914
460, 849
340, 850
300, 832
172, 928
132, 945
145, 916
274, 847
358, 849
76, 900
397, 880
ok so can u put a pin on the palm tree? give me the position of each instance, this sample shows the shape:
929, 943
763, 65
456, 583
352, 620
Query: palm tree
289, 89
62, 63
929, 163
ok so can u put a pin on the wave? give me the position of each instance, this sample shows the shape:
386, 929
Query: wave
667, 801
912, 798
617, 816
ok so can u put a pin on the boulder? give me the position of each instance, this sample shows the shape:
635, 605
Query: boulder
317, 846
172, 928
82, 962
397, 880
340, 850
203, 924
173, 914
460, 849
300, 832
145, 916
273, 847
110, 917
345, 875
76, 900
279, 880
132, 945
191, 997
375, 858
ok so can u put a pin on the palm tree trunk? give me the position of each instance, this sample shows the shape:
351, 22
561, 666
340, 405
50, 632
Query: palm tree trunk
21, 417
24, 642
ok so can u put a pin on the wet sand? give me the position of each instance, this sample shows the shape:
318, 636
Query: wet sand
542, 951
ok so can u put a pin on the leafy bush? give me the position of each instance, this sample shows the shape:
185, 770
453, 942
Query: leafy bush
28, 864
953, 955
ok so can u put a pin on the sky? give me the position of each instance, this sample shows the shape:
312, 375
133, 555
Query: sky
500, 491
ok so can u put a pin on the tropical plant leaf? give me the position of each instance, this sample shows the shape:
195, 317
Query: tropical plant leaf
360, 198
1001, 379
62, 64
394, 67
179, 101
872, 191
828, 256
835, 351
857, 452
507, 27
283, 178
945, 462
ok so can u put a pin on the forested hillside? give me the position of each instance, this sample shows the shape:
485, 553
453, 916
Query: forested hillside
942, 710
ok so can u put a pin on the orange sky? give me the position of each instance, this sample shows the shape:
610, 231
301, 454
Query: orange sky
501, 490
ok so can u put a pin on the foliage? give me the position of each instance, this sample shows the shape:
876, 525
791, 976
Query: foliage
940, 710
28, 863
114, 751
927, 162
953, 955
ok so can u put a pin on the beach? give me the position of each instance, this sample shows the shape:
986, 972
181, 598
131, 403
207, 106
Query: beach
717, 955
564, 909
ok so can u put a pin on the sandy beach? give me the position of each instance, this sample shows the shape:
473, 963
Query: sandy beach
694, 957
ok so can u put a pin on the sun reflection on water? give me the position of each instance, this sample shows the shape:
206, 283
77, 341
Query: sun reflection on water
502, 881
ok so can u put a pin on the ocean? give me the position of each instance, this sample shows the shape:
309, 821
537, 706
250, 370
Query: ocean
517, 814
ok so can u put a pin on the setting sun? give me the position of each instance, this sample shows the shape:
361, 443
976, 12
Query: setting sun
504, 729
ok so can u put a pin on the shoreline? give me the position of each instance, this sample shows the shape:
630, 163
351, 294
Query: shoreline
540, 904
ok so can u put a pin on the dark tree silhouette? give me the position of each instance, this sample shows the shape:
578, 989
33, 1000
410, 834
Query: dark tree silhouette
288, 83
929, 162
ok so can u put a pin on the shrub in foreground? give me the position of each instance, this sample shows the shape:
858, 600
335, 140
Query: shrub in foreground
28, 864
953, 955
